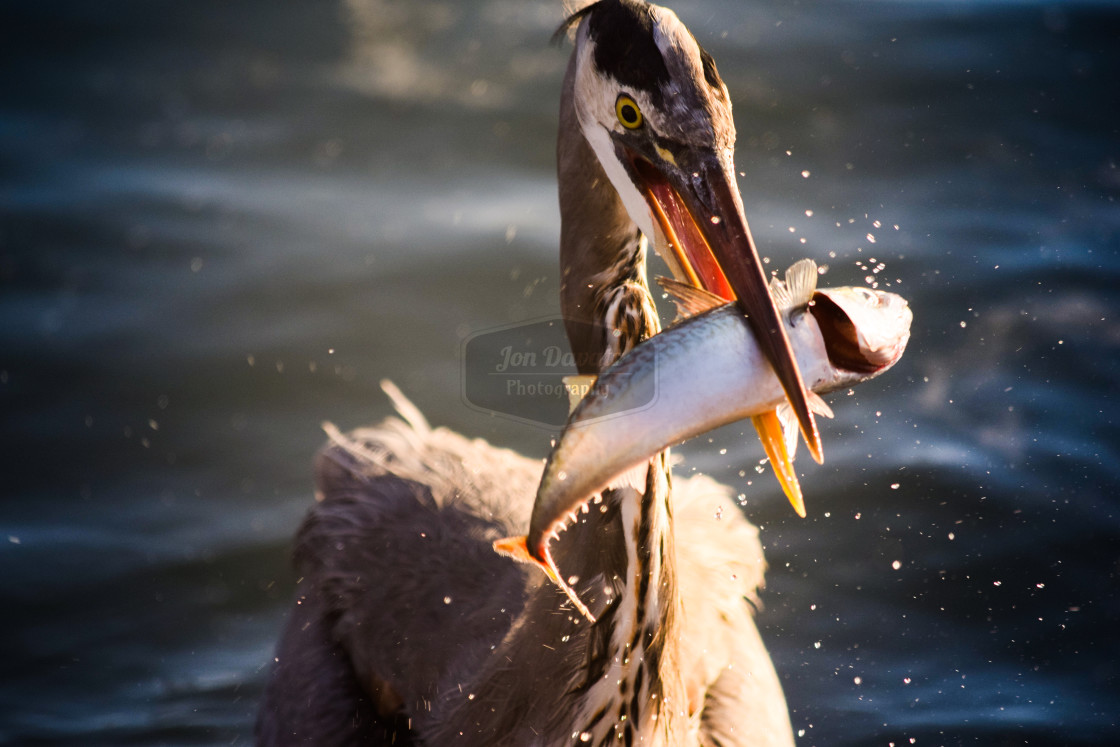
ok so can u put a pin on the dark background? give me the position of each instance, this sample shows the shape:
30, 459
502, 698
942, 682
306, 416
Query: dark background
222, 223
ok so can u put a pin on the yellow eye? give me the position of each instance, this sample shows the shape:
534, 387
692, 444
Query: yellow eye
628, 112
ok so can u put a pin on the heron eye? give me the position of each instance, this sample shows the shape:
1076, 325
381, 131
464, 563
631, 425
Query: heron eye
628, 112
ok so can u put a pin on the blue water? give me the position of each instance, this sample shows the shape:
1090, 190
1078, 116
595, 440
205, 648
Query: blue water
222, 223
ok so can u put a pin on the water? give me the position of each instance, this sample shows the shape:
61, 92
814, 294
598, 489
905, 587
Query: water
223, 223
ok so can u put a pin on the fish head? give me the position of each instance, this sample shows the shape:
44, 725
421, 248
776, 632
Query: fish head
865, 330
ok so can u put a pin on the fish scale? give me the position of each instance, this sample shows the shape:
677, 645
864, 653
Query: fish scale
708, 371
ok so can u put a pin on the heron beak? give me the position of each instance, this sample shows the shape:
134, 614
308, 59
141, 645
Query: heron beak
695, 201
769, 429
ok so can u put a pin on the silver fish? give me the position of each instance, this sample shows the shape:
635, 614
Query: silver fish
703, 373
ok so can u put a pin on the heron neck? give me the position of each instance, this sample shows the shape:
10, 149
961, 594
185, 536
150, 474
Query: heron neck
601, 248
621, 551
631, 687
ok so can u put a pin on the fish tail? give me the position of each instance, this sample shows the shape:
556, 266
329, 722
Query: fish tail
518, 549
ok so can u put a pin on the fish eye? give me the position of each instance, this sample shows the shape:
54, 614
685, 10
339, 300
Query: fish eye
628, 112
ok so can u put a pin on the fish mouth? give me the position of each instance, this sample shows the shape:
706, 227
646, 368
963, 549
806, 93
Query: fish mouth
845, 346
694, 201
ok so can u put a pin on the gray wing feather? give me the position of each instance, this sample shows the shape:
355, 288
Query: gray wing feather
313, 696
401, 546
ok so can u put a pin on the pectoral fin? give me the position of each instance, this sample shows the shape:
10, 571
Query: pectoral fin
789, 421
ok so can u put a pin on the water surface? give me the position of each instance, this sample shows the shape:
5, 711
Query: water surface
223, 223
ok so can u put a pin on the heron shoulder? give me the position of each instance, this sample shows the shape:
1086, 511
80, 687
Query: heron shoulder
724, 661
715, 540
470, 474
406, 512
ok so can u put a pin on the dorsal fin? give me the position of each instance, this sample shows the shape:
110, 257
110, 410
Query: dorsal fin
689, 299
799, 285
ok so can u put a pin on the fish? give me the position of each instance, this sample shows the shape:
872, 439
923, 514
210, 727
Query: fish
706, 371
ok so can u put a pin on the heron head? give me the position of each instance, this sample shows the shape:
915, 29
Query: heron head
651, 104
653, 108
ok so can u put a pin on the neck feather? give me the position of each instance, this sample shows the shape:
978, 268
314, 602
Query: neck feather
600, 246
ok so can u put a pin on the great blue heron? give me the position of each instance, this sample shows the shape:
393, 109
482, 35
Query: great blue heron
409, 629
